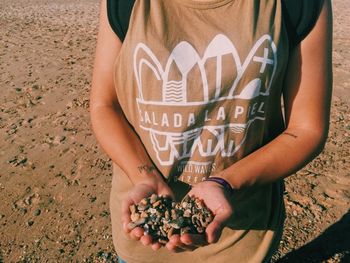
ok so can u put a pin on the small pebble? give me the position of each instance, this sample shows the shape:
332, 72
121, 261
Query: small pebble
37, 212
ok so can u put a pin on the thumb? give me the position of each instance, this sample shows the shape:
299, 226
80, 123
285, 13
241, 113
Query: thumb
214, 229
127, 202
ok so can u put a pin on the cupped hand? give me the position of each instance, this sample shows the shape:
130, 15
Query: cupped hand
143, 189
215, 198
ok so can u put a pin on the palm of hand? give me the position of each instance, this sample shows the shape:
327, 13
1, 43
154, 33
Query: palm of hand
216, 200
213, 196
139, 192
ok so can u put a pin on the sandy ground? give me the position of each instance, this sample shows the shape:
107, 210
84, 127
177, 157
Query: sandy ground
55, 180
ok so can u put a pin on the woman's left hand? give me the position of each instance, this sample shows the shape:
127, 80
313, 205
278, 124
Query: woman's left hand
215, 197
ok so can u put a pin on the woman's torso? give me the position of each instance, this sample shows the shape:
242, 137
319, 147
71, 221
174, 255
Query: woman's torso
201, 84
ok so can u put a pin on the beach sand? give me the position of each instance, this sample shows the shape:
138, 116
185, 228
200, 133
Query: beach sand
55, 180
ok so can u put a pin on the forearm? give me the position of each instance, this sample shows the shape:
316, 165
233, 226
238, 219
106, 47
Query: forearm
283, 156
121, 143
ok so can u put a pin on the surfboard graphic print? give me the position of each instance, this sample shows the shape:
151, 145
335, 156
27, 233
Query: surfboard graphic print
232, 105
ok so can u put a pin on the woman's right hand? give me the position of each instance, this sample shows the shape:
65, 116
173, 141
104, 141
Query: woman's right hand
143, 189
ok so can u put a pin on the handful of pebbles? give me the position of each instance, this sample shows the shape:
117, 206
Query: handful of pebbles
161, 218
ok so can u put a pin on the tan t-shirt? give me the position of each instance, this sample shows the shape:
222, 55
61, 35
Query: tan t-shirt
200, 82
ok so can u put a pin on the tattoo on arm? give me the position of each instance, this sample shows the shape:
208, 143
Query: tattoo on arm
146, 168
291, 134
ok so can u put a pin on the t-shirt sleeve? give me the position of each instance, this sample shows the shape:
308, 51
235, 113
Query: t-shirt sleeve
119, 12
301, 17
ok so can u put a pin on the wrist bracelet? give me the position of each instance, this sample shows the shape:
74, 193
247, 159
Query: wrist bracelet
222, 182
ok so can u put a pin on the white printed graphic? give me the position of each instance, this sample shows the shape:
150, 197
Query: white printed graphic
175, 136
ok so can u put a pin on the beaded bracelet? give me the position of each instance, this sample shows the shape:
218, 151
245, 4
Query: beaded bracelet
222, 182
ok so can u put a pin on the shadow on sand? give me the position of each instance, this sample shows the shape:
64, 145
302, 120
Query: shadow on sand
335, 239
